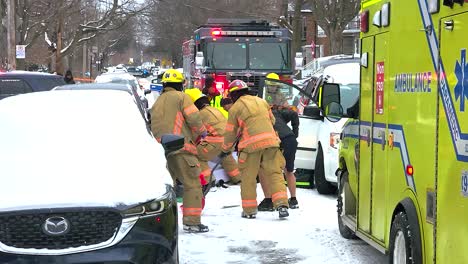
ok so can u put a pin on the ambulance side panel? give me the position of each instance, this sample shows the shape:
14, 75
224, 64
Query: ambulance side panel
452, 174
365, 146
412, 113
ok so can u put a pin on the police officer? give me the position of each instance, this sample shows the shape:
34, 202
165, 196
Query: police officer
175, 113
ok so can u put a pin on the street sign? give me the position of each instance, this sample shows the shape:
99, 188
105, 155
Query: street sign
21, 51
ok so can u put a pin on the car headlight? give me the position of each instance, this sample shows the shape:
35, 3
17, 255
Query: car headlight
153, 207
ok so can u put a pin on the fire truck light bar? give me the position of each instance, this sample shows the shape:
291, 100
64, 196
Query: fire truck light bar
250, 33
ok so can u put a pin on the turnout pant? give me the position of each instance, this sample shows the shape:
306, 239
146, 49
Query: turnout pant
271, 162
207, 152
185, 167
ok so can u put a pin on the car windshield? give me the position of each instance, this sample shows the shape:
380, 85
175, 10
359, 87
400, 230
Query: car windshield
226, 55
269, 56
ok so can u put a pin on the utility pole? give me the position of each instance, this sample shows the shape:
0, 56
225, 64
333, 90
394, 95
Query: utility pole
11, 39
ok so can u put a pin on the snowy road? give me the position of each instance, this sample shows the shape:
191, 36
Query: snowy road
309, 235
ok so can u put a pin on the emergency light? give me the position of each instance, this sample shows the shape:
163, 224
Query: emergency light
385, 19
433, 6
365, 21
216, 32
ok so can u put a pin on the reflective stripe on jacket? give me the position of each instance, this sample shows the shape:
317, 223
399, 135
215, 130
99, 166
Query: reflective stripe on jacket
251, 117
175, 113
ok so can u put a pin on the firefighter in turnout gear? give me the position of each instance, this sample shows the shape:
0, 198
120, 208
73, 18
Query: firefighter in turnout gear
175, 113
273, 94
251, 118
211, 145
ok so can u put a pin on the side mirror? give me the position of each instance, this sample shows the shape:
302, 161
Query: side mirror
330, 93
172, 143
313, 112
199, 59
333, 112
147, 91
299, 61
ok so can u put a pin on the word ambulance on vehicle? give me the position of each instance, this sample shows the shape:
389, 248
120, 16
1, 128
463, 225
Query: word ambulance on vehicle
403, 177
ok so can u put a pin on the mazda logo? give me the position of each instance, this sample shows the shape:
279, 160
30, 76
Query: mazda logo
56, 226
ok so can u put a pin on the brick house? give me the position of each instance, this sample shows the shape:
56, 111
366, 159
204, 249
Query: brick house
312, 34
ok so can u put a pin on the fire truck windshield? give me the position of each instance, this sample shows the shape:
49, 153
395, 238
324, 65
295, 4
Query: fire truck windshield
227, 56
269, 56
247, 56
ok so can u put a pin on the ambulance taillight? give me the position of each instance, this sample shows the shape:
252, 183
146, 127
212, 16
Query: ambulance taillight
365, 21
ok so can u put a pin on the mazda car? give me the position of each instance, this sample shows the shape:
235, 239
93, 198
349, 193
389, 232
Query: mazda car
83, 181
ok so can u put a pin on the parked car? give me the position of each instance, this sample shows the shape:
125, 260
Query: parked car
125, 78
130, 90
344, 72
74, 188
20, 82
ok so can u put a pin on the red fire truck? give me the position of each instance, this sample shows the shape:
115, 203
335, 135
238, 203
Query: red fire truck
242, 49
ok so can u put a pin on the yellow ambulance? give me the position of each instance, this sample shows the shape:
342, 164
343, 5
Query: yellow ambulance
403, 176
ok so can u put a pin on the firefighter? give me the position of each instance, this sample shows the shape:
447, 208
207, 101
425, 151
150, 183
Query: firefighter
258, 147
284, 116
273, 95
175, 113
210, 147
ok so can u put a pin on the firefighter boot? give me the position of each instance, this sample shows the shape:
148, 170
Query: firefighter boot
249, 216
283, 211
196, 228
266, 205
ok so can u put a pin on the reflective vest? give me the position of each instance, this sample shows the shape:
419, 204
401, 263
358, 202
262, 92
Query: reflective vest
216, 103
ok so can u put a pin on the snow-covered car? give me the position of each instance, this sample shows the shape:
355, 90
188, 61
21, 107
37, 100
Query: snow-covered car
125, 78
73, 185
140, 103
345, 73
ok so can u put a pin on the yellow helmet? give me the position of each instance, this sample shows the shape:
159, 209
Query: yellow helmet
272, 76
194, 94
172, 76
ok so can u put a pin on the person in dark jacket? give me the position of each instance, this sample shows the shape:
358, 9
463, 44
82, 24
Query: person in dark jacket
283, 116
69, 78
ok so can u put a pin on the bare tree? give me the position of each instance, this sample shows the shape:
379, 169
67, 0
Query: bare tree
297, 25
172, 22
333, 16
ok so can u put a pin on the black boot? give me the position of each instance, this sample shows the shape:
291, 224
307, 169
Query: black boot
196, 228
266, 205
283, 211
293, 204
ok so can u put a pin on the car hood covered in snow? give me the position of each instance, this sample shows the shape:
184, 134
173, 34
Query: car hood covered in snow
77, 149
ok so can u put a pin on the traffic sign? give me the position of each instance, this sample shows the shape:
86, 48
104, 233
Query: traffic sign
21, 51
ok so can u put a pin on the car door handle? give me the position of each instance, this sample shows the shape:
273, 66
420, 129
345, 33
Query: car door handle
383, 138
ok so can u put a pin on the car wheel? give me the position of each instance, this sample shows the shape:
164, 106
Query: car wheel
404, 248
322, 185
345, 231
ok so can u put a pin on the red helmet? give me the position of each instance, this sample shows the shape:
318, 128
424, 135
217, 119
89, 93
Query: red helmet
237, 85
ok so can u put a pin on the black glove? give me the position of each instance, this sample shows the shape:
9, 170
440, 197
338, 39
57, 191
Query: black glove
224, 154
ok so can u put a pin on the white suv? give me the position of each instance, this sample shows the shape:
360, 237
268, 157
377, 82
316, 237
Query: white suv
346, 74
318, 142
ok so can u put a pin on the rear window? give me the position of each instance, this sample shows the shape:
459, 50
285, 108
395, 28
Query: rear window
10, 87
46, 84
